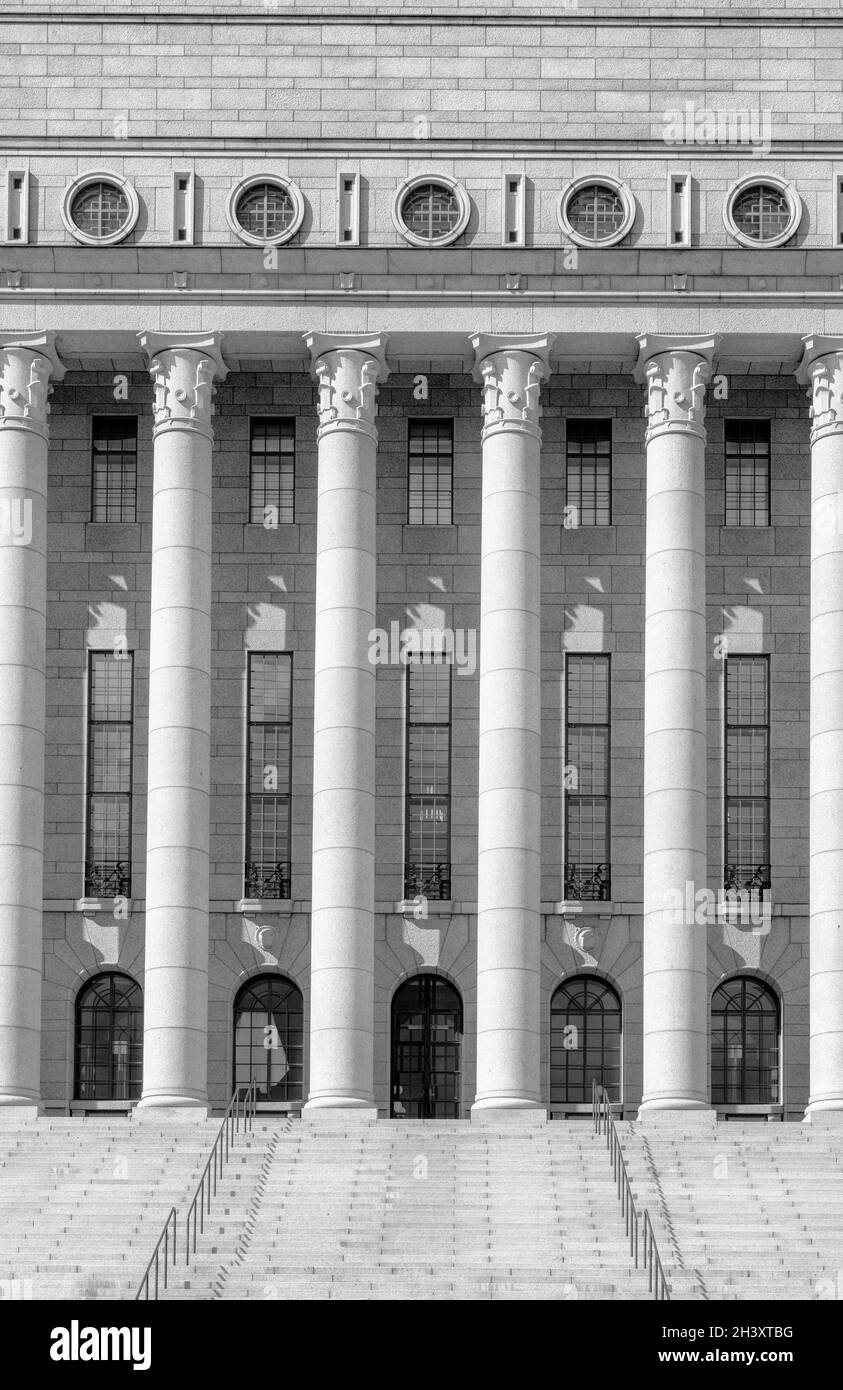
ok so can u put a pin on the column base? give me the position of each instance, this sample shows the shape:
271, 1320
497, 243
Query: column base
677, 1114
337, 1115
503, 1115
171, 1110
824, 1114
18, 1112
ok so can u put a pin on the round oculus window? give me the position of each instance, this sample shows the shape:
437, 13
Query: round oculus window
100, 210
266, 211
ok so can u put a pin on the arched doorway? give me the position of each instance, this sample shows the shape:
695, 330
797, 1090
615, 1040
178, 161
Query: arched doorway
585, 1040
744, 1043
108, 1062
269, 1037
426, 1049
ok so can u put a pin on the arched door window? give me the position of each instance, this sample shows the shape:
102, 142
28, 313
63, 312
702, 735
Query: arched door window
585, 1041
744, 1043
426, 1049
109, 1039
269, 1037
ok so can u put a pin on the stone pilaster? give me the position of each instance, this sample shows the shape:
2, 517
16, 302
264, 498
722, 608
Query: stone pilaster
675, 371
183, 368
822, 370
511, 371
343, 905
28, 362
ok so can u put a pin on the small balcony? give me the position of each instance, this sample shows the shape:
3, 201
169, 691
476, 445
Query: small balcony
750, 879
428, 881
108, 880
588, 883
267, 881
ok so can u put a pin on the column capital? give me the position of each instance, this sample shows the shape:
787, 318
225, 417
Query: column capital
821, 370
675, 369
184, 367
511, 370
348, 370
28, 361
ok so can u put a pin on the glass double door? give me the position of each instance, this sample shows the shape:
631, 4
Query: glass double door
426, 1050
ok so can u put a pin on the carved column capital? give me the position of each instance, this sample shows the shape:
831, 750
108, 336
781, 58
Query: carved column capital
511, 370
675, 370
821, 370
348, 371
183, 368
28, 361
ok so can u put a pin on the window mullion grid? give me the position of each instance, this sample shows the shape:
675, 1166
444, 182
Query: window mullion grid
268, 875
427, 872
108, 874
747, 847
587, 879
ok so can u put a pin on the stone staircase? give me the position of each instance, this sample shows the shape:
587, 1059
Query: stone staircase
428, 1210
421, 1210
82, 1202
748, 1210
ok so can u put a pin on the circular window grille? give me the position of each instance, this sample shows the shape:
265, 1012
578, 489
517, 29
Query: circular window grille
762, 212
100, 210
431, 211
266, 211
596, 212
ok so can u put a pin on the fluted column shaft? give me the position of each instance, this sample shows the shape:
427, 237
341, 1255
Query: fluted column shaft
675, 657
509, 803
26, 366
822, 368
343, 886
175, 1063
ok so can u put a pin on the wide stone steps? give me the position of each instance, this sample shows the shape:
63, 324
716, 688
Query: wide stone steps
82, 1202
405, 1212
743, 1212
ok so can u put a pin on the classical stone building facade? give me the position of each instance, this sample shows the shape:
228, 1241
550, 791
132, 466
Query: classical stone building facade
507, 340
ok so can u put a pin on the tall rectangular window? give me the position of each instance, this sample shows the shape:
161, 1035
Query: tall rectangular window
427, 867
114, 467
587, 778
269, 775
747, 472
747, 743
588, 472
108, 848
272, 471
430, 472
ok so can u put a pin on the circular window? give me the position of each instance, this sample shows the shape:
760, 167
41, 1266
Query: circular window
100, 209
762, 212
265, 211
596, 211
431, 211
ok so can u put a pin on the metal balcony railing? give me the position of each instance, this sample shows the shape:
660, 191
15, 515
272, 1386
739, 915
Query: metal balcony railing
428, 880
746, 878
588, 882
108, 880
267, 880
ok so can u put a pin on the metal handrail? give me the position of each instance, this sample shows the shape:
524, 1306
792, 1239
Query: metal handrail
652, 1260
604, 1123
241, 1107
143, 1289
218, 1157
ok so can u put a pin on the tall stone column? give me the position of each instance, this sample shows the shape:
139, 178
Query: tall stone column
27, 362
675, 370
175, 1042
343, 904
822, 369
509, 807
